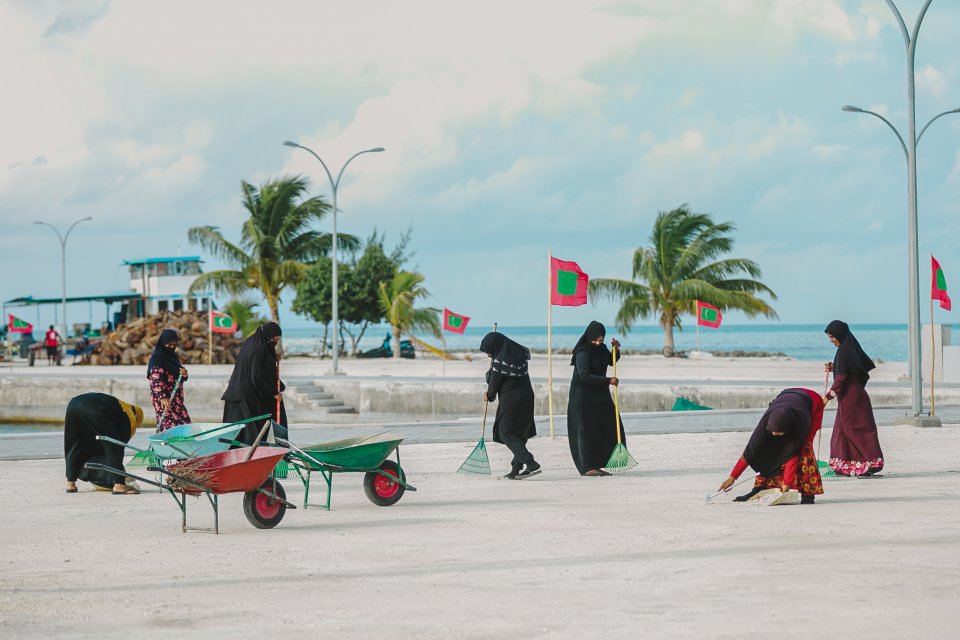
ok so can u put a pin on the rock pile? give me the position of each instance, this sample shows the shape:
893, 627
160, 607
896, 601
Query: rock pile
133, 342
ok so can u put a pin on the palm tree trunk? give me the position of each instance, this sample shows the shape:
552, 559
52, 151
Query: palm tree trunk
668, 349
395, 345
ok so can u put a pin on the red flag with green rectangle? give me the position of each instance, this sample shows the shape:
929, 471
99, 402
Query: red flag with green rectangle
568, 283
938, 287
221, 323
453, 322
16, 325
708, 315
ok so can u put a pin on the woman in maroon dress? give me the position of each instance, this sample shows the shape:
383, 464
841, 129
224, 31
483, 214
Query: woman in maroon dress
854, 447
163, 370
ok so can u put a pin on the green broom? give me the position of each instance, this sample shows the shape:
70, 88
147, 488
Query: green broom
826, 471
620, 459
478, 463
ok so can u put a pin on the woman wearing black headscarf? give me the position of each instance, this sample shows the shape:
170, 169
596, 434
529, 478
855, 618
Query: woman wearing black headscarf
514, 424
592, 422
855, 446
163, 371
253, 388
780, 449
96, 414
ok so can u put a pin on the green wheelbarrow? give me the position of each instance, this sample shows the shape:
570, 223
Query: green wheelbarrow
384, 481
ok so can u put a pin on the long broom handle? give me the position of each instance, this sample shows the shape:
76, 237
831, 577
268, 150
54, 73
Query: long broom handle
483, 425
167, 408
616, 399
732, 487
278, 388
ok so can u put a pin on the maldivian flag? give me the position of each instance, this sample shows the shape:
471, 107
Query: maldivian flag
938, 286
222, 323
16, 325
568, 284
453, 322
708, 315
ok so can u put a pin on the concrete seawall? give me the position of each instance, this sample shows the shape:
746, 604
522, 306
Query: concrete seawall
43, 398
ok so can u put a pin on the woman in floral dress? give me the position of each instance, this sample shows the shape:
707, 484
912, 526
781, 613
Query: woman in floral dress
162, 371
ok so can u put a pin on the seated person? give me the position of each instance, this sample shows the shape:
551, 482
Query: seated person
89, 415
781, 447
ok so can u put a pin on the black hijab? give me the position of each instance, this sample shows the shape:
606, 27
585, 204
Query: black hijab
850, 358
790, 413
593, 331
163, 358
255, 373
509, 357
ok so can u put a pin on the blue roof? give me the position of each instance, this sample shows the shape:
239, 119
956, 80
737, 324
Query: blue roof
159, 260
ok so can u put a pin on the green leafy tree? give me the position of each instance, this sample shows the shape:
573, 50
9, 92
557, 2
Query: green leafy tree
276, 241
314, 297
683, 263
398, 299
241, 309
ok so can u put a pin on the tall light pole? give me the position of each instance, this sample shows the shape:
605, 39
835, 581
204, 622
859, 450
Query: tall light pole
63, 264
910, 151
334, 185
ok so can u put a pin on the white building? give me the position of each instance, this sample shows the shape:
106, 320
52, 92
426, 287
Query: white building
163, 284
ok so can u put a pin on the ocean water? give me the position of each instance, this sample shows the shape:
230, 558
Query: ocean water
885, 342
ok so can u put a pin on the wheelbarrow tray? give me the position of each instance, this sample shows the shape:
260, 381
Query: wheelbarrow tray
193, 440
353, 454
228, 471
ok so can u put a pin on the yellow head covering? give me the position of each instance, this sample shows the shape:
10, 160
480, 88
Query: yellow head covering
134, 415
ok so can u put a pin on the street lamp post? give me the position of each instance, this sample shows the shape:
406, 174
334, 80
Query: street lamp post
63, 265
334, 185
910, 151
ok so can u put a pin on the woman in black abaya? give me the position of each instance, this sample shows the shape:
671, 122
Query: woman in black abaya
514, 424
252, 390
591, 416
96, 414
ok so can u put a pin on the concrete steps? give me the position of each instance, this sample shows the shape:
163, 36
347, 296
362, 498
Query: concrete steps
313, 398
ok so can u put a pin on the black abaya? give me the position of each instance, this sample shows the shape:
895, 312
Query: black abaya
89, 415
514, 423
591, 416
252, 389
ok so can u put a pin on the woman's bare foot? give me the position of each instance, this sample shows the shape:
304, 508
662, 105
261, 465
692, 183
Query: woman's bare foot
71, 487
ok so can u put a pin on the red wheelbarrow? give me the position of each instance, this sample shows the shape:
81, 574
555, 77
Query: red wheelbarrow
233, 471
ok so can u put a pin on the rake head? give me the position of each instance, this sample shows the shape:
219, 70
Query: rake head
477, 463
144, 459
825, 470
620, 459
281, 470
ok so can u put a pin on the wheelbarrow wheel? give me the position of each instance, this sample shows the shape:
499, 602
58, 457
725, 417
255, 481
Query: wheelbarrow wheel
262, 511
381, 490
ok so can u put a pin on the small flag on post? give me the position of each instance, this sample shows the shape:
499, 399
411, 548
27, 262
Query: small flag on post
16, 325
221, 323
938, 286
568, 284
453, 322
708, 315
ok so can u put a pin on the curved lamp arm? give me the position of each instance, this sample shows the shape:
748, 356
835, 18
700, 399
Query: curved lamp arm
903, 145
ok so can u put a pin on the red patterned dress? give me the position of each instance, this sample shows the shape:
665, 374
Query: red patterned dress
161, 387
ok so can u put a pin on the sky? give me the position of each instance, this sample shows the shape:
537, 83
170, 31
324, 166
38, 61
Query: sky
512, 130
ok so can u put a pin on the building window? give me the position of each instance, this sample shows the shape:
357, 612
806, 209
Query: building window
178, 305
162, 305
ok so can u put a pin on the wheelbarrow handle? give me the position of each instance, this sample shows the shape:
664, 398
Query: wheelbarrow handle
122, 444
103, 467
308, 456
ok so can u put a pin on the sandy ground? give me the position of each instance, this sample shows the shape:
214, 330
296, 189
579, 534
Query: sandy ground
555, 556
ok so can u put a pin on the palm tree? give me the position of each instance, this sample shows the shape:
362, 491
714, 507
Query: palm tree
682, 264
241, 309
397, 299
275, 242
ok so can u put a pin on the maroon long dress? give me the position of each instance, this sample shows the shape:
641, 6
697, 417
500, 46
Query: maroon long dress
855, 446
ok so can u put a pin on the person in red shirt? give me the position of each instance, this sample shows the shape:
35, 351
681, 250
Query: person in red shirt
52, 342
781, 448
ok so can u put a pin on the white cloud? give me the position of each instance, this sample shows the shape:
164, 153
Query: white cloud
932, 80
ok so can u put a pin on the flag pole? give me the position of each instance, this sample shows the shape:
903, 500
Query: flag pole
699, 350
210, 335
550, 338
933, 360
443, 339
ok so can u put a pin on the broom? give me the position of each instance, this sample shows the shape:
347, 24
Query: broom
620, 459
282, 468
149, 458
478, 463
826, 471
